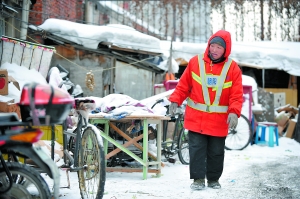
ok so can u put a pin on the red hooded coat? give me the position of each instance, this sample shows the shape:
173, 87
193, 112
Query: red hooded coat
210, 123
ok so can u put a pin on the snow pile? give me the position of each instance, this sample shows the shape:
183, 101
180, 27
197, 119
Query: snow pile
91, 35
23, 76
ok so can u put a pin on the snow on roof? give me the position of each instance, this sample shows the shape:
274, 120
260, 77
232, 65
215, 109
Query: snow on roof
91, 35
260, 54
268, 55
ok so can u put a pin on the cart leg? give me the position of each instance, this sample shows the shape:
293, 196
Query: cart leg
145, 149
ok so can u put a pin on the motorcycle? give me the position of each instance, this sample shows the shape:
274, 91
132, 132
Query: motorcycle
39, 105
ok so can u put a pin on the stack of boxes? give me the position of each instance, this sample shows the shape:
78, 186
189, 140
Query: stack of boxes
287, 119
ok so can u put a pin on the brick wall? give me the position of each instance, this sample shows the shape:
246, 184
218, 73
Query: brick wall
35, 16
80, 11
71, 10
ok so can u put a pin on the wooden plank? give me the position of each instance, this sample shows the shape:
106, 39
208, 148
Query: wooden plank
130, 170
7, 54
26, 58
129, 138
17, 55
127, 151
36, 59
117, 150
45, 63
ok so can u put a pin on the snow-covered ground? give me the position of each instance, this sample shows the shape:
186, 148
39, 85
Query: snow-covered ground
255, 172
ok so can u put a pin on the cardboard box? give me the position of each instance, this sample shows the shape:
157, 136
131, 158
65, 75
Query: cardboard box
291, 128
282, 118
8, 107
3, 82
281, 129
287, 108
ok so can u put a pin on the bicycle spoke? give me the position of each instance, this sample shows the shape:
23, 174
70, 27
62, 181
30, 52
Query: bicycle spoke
183, 145
239, 138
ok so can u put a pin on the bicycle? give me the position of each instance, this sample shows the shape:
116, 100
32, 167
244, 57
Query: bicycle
178, 143
84, 154
237, 139
240, 137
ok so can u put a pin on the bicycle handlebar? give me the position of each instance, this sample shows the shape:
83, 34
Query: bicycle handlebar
158, 101
179, 110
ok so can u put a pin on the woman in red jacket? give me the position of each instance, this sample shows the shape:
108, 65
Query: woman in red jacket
212, 86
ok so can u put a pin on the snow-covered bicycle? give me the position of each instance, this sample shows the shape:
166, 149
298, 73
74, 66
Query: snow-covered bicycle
178, 143
83, 153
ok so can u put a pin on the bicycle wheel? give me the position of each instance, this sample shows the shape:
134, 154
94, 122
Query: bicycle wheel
71, 144
92, 160
183, 147
240, 137
27, 182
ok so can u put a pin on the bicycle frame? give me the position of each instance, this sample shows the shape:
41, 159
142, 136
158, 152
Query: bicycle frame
178, 121
169, 151
77, 135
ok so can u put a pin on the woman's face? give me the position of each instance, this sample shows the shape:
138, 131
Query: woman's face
216, 51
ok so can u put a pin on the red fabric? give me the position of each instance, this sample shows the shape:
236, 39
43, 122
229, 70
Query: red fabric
214, 124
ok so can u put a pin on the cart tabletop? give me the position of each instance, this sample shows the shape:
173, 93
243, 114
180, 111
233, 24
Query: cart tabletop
132, 117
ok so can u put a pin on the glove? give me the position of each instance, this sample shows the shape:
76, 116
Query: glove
172, 108
232, 120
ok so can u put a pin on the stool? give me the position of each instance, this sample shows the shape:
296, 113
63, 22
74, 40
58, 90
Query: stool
272, 129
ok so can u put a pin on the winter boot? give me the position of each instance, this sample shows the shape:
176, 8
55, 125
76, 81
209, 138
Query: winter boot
214, 184
198, 184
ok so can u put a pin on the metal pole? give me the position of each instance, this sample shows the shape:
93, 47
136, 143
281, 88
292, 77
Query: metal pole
52, 141
24, 22
263, 78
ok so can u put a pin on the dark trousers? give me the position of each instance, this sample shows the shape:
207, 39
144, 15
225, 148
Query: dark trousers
206, 156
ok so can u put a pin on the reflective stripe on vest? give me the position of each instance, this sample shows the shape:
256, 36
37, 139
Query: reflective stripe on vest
208, 107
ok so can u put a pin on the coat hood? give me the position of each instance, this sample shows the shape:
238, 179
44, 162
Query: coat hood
225, 35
